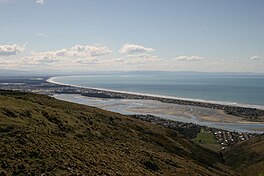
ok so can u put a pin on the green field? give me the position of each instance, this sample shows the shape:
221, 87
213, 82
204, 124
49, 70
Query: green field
205, 137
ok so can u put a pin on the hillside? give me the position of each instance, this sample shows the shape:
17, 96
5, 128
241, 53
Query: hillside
42, 135
247, 157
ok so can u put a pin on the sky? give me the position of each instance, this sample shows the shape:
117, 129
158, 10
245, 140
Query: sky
123, 35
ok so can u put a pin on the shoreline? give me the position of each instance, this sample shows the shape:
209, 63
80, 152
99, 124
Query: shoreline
247, 113
224, 103
128, 107
185, 111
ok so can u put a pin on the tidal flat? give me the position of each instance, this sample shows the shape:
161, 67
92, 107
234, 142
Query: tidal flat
184, 113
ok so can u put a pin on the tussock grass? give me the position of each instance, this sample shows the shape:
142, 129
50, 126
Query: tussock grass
42, 135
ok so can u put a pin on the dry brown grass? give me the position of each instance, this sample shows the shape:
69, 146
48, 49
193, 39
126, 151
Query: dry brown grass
39, 134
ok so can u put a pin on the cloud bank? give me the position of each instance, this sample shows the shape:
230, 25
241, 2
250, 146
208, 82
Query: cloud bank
97, 57
75, 52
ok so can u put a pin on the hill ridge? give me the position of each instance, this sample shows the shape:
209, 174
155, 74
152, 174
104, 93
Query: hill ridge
42, 135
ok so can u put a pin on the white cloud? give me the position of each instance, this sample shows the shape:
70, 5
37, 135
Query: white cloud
8, 50
189, 58
75, 52
87, 50
40, 2
132, 48
256, 57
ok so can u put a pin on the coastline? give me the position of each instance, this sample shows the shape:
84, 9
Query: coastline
224, 103
252, 114
181, 113
178, 110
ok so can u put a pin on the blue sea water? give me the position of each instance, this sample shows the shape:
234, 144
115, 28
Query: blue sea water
237, 88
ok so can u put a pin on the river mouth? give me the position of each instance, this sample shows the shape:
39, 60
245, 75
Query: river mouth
183, 113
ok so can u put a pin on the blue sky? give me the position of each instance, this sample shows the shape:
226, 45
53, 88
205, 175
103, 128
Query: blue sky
91, 35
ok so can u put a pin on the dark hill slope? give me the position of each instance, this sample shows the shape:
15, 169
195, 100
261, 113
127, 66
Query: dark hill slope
39, 134
247, 157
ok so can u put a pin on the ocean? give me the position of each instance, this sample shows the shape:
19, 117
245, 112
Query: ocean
245, 89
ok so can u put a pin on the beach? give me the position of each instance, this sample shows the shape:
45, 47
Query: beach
233, 90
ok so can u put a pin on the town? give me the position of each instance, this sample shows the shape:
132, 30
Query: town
190, 130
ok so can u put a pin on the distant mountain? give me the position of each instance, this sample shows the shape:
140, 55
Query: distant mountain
41, 135
12, 73
186, 73
5, 73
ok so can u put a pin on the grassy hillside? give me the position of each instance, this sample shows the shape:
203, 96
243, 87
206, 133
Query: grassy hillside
247, 157
39, 134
